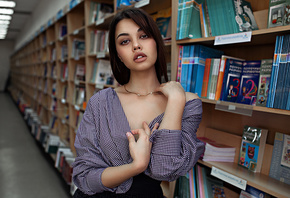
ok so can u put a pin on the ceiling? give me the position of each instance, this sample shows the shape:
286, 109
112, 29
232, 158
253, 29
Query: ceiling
22, 11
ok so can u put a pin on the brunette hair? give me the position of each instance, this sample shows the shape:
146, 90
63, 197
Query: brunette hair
149, 26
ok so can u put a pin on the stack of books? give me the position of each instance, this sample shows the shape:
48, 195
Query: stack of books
217, 152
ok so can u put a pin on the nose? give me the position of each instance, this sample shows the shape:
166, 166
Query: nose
136, 46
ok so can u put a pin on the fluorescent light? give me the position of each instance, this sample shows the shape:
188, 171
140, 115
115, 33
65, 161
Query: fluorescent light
5, 17
6, 11
3, 26
4, 22
7, 4
3, 32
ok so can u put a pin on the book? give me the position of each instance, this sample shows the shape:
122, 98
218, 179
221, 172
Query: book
184, 66
231, 82
251, 192
206, 77
104, 74
221, 74
198, 63
264, 82
80, 72
279, 13
192, 183
252, 148
164, 21
213, 77
244, 17
215, 151
280, 98
280, 162
275, 70
249, 83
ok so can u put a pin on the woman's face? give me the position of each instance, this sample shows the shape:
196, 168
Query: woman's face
135, 49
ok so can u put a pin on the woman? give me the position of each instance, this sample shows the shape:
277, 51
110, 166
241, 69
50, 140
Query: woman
136, 135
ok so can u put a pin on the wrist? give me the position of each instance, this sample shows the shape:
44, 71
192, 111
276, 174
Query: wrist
138, 167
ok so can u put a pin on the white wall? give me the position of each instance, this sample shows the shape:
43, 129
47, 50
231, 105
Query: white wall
6, 49
44, 11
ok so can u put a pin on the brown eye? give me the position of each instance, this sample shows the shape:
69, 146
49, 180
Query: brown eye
124, 42
144, 36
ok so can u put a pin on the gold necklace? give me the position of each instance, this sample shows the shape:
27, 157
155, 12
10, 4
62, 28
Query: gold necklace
138, 93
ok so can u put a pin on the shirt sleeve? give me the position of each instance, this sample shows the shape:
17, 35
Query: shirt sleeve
89, 163
175, 152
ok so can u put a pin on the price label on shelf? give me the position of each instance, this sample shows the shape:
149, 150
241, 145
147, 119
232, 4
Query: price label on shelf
77, 107
229, 178
101, 55
100, 21
233, 38
142, 3
76, 32
99, 86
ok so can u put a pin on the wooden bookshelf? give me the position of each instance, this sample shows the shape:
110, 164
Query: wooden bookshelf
275, 120
31, 68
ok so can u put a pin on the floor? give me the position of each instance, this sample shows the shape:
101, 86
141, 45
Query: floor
25, 170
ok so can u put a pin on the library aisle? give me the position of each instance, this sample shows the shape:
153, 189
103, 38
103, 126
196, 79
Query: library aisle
24, 168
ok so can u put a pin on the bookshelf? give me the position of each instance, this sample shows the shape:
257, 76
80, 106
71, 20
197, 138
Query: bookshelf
275, 120
52, 47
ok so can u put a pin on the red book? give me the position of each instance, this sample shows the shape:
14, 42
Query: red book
206, 77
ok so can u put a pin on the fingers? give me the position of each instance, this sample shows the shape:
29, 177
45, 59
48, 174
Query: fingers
130, 137
155, 127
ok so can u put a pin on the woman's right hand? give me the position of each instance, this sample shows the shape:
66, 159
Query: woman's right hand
140, 150
172, 90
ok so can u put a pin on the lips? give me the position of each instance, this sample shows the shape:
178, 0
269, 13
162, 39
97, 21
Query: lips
139, 57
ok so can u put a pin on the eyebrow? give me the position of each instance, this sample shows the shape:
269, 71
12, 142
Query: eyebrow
127, 34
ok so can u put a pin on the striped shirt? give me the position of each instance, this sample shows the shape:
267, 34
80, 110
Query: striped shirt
101, 142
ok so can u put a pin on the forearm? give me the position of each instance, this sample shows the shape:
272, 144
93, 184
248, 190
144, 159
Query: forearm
114, 176
173, 114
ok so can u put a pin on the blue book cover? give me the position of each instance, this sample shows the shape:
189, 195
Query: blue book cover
184, 66
194, 27
231, 81
200, 54
253, 192
275, 70
179, 12
279, 101
190, 67
249, 83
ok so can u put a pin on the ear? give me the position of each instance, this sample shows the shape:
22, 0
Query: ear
120, 58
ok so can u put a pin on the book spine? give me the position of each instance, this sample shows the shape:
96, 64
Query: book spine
220, 78
206, 77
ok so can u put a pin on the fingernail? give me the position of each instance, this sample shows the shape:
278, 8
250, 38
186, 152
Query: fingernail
128, 134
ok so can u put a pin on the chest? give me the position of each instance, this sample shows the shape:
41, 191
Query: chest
142, 109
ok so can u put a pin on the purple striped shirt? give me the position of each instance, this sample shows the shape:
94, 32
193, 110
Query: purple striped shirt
101, 142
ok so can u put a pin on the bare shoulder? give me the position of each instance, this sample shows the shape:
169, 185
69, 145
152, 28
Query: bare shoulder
190, 96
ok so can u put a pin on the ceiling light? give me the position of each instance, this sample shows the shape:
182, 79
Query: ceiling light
4, 26
4, 31
5, 17
7, 4
6, 11
4, 22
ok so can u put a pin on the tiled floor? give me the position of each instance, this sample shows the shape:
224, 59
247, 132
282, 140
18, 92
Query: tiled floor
25, 170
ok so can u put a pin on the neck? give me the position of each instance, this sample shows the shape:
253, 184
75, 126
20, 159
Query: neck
142, 83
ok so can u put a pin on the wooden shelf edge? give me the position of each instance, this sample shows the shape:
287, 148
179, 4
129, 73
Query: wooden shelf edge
257, 180
255, 33
255, 108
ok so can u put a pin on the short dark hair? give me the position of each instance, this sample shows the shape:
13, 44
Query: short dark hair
149, 26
